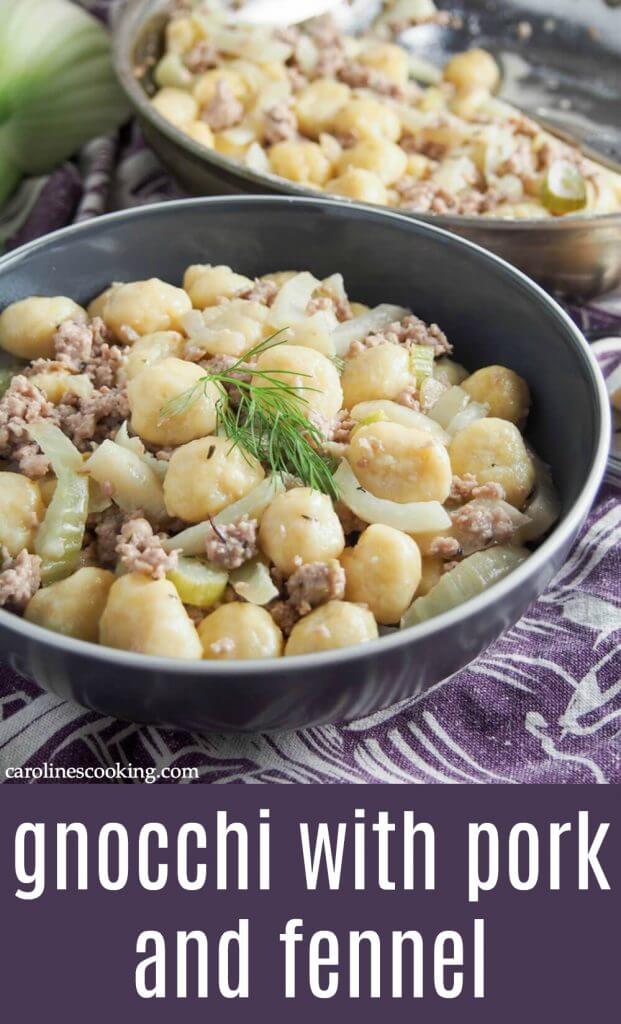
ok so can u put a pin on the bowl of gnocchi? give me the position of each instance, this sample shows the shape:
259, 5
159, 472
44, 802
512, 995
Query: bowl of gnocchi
230, 106
267, 462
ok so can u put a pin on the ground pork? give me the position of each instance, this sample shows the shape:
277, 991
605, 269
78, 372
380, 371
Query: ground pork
260, 291
201, 57
326, 35
297, 79
427, 197
279, 124
140, 549
522, 162
20, 578
314, 584
88, 348
360, 76
337, 305
224, 110
106, 527
409, 398
21, 405
445, 547
284, 615
479, 524
342, 427
409, 331
465, 488
231, 545
92, 419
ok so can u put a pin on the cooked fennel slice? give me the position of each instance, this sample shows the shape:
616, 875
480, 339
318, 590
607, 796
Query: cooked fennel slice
132, 484
367, 323
411, 517
59, 538
253, 582
253, 505
543, 509
61, 452
197, 582
472, 412
396, 413
449, 404
469, 578
135, 445
292, 300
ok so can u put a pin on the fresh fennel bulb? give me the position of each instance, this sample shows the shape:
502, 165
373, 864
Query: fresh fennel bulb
57, 86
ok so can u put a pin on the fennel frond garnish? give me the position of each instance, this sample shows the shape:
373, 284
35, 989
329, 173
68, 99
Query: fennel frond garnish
268, 420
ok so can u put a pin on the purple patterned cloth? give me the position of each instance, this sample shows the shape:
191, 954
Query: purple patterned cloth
542, 704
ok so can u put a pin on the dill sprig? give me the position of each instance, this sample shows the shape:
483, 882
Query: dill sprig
268, 421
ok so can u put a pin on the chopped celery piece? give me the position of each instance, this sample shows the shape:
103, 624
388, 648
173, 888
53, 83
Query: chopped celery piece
564, 188
379, 416
60, 535
197, 582
421, 362
469, 578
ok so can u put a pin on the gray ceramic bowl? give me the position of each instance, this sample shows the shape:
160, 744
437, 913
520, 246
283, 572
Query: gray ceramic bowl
492, 313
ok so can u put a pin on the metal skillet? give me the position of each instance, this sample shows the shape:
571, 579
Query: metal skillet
563, 72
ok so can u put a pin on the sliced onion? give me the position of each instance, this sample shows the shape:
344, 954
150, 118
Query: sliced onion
474, 411
367, 323
401, 414
135, 445
61, 452
292, 300
256, 159
411, 517
469, 578
98, 501
544, 508
253, 582
253, 505
131, 482
448, 405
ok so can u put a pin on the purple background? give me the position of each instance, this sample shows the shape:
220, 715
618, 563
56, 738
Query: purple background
550, 955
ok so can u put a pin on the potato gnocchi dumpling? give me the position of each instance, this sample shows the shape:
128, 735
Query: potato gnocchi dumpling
145, 307
335, 624
21, 511
27, 327
206, 475
272, 469
156, 387
317, 105
239, 630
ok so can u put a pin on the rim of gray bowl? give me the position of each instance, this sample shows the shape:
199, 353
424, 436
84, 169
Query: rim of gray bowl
493, 595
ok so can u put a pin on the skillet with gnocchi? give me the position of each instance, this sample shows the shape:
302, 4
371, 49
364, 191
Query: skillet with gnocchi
242, 468
362, 118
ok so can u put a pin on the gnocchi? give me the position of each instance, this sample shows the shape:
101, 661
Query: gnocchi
27, 327
145, 307
252, 494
